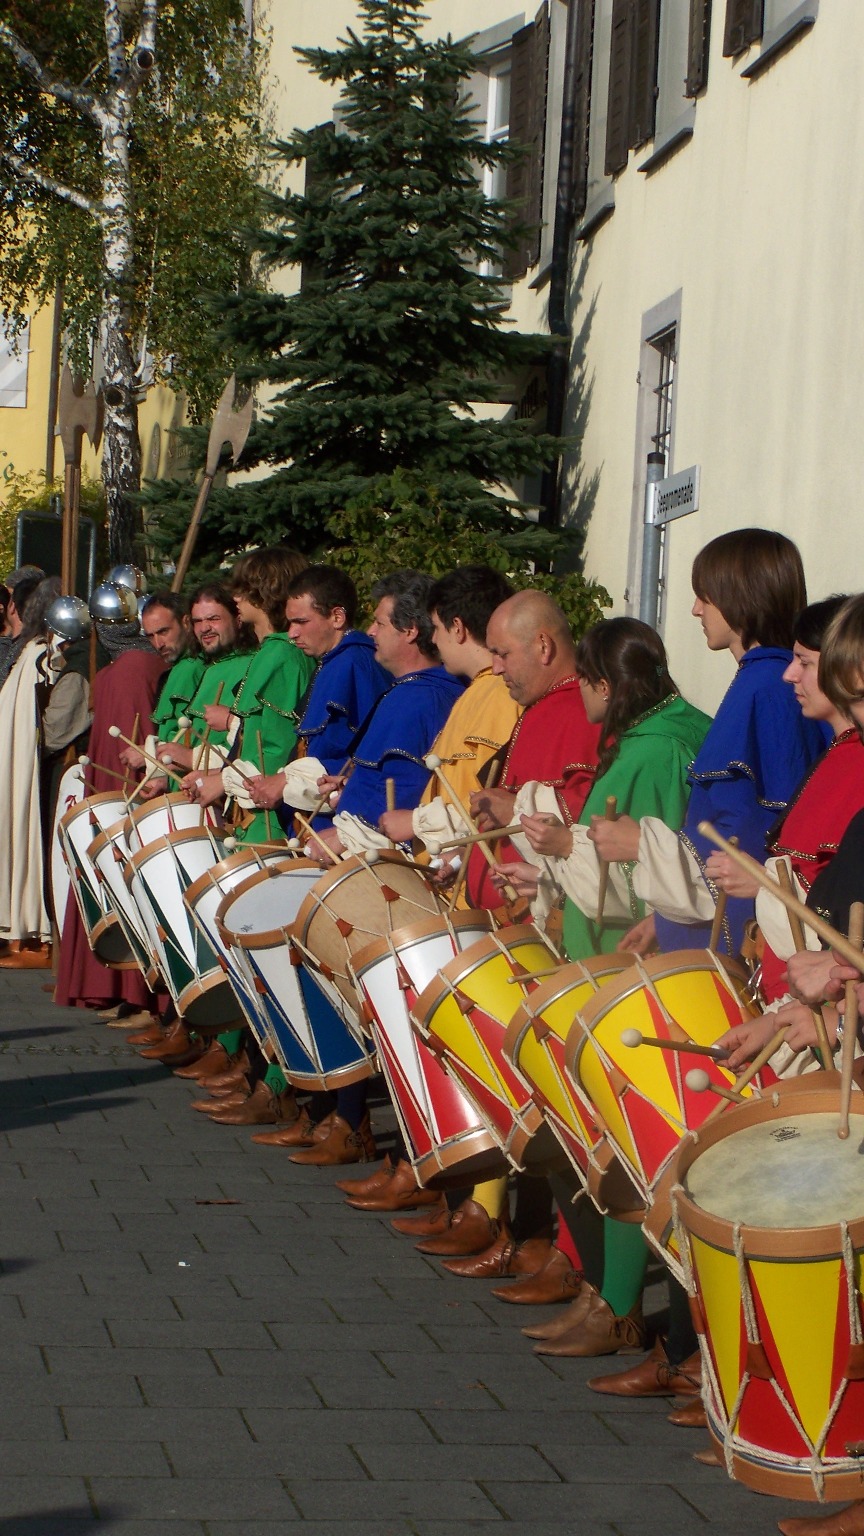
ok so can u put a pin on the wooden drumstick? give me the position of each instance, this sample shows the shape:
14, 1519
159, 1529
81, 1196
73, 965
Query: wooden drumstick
433, 763
87, 762
719, 913
267, 821
134, 742
493, 774
754, 1066
481, 837
551, 970
832, 936
311, 833
800, 943
164, 770
634, 1037
205, 739
698, 1081
610, 814
850, 1023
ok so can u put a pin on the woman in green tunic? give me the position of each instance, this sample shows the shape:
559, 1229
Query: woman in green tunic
649, 738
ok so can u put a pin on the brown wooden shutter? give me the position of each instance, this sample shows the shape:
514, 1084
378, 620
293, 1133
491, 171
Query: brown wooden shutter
643, 70
528, 85
697, 47
618, 110
582, 102
744, 21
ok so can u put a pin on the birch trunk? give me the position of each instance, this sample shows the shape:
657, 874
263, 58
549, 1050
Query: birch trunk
121, 451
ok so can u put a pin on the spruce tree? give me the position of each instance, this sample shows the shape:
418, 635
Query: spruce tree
399, 329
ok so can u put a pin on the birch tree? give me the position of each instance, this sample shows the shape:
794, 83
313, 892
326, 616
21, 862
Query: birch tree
129, 166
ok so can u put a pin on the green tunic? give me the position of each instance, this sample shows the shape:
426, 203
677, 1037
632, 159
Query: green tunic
648, 777
270, 702
228, 670
175, 693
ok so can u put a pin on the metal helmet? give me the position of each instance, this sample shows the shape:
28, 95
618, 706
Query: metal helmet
127, 576
111, 603
143, 599
68, 618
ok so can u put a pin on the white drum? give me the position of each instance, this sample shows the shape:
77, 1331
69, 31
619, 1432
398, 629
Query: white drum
204, 898
77, 830
161, 817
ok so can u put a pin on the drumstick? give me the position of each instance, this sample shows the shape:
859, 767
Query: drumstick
332, 858
755, 1066
800, 943
832, 936
610, 814
115, 731
850, 1024
205, 739
634, 1037
719, 913
433, 763
135, 724
481, 837
698, 1081
87, 762
267, 821
493, 774
534, 975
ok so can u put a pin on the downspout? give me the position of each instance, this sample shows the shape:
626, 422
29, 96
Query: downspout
559, 276
54, 379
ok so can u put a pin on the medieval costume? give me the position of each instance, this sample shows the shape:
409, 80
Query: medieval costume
23, 913
345, 690
268, 706
481, 722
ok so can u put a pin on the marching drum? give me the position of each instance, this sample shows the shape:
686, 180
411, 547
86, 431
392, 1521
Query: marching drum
315, 1046
535, 1045
162, 816
769, 1217
109, 855
449, 1142
641, 1095
77, 830
355, 903
204, 898
463, 1015
158, 876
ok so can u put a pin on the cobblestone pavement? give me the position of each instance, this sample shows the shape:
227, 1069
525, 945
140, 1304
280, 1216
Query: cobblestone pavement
200, 1339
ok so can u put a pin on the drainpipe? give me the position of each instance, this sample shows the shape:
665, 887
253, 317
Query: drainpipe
559, 274
649, 595
54, 379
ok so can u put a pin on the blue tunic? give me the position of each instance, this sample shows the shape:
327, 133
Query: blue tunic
395, 742
348, 683
754, 756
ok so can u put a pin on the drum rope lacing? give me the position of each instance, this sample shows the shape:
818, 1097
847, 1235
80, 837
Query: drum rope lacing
814, 1464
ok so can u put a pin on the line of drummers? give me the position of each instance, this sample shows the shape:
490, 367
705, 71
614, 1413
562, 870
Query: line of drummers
485, 875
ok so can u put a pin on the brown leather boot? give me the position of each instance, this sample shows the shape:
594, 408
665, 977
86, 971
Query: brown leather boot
213, 1106
563, 1322
556, 1281
342, 1145
26, 955
844, 1522
214, 1061
151, 1034
598, 1332
262, 1107
297, 1134
690, 1415
373, 1181
401, 1193
654, 1377
435, 1219
176, 1049
470, 1230
504, 1257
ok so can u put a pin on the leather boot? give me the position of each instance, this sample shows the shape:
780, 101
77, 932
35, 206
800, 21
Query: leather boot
214, 1061
556, 1281
300, 1133
262, 1107
26, 955
654, 1377
401, 1193
141, 1019
563, 1322
236, 1073
598, 1332
151, 1034
844, 1522
470, 1230
504, 1257
342, 1145
176, 1049
373, 1181
435, 1219
213, 1106
690, 1415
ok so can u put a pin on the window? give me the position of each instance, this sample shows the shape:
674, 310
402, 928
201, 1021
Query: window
497, 132
655, 433
14, 358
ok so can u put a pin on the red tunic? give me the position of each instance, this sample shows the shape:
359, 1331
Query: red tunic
810, 833
553, 743
126, 688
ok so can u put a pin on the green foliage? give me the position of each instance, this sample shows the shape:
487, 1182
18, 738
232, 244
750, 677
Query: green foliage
399, 331
196, 167
401, 521
33, 493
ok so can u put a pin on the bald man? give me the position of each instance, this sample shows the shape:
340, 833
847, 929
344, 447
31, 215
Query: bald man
553, 744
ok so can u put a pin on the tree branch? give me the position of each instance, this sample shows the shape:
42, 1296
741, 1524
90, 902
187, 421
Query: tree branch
114, 39
83, 101
50, 184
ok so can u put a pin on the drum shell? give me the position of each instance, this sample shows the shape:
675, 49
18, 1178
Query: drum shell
535, 1043
77, 831
313, 1039
204, 899
450, 1144
352, 905
109, 854
798, 1283
640, 1095
463, 1015
162, 816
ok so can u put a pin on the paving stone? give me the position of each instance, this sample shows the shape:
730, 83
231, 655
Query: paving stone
196, 1499
292, 1425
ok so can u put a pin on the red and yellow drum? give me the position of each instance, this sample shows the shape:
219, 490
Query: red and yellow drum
535, 1045
463, 1015
769, 1217
641, 1095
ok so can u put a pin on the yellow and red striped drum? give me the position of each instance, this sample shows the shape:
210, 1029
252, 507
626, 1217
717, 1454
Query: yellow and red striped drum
535, 1044
769, 1217
463, 1016
641, 1094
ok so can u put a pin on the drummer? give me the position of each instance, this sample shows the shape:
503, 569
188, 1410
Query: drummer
165, 623
649, 737
749, 587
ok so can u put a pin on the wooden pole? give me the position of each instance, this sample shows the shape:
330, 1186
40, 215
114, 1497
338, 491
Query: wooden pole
800, 943
850, 1023
230, 425
433, 762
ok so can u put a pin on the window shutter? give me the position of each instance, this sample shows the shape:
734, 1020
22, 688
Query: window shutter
744, 19
582, 102
697, 47
528, 84
618, 110
643, 70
